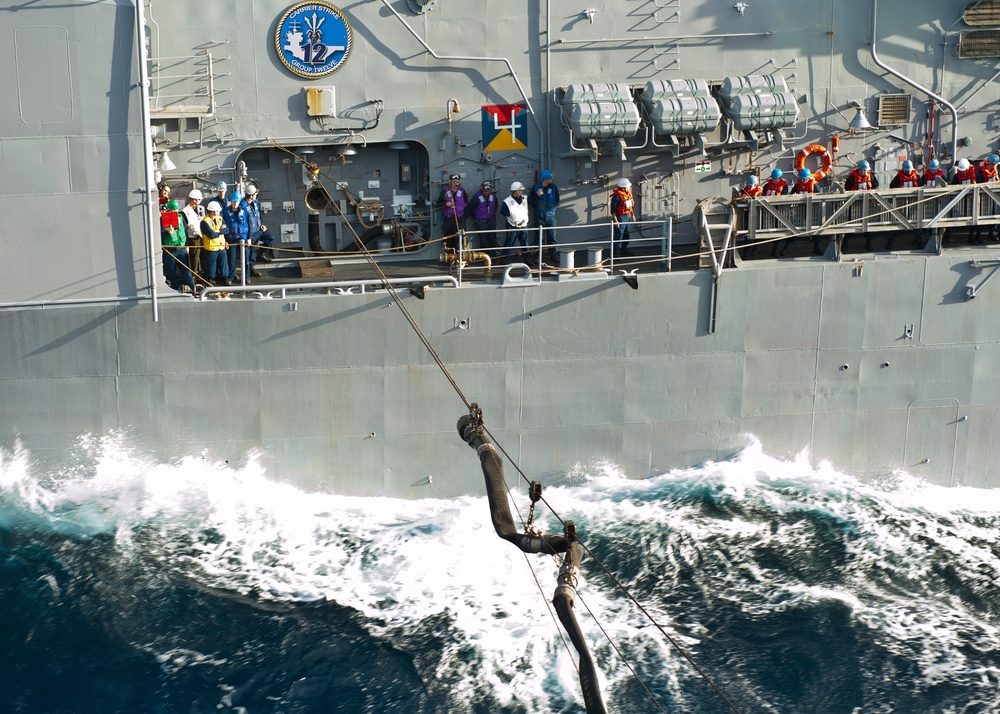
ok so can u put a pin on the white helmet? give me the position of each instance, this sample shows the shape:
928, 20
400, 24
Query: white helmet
516, 186
214, 207
963, 164
251, 190
195, 193
624, 183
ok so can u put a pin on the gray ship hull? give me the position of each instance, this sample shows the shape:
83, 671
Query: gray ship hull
337, 393
873, 361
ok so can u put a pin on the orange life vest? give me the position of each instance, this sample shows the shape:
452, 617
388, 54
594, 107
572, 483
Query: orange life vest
965, 177
908, 180
752, 191
805, 185
934, 177
624, 207
862, 180
988, 171
775, 188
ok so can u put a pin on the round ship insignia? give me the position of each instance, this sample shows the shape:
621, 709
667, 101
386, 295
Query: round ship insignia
313, 39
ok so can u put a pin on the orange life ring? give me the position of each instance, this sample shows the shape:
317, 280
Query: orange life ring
824, 155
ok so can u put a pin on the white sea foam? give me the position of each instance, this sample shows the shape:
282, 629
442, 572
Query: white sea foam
404, 563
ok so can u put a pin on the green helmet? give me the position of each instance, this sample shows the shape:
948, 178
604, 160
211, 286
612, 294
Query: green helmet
172, 205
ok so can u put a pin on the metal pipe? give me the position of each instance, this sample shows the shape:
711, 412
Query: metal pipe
150, 214
547, 148
929, 93
675, 38
44, 304
211, 86
373, 283
469, 58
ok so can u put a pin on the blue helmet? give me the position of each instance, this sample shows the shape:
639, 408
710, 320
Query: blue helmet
864, 166
934, 164
776, 174
546, 174
235, 197
907, 165
805, 173
993, 159
751, 180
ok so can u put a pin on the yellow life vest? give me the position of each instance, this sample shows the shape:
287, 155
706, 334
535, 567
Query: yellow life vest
213, 244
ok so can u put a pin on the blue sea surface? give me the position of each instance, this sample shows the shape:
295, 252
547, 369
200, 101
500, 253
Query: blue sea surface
133, 586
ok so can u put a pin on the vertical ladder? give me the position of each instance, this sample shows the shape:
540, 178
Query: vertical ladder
714, 218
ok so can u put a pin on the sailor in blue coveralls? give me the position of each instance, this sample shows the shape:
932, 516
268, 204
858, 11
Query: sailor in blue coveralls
543, 199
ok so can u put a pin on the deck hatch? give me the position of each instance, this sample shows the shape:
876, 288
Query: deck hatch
979, 43
894, 109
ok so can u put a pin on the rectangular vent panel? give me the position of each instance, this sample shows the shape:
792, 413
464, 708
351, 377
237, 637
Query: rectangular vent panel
894, 109
985, 13
979, 43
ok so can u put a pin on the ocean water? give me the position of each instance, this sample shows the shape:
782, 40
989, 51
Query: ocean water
133, 586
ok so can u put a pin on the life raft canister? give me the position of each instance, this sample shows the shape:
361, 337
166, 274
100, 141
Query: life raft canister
824, 155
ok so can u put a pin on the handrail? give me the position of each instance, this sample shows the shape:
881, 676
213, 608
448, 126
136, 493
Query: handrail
901, 209
345, 286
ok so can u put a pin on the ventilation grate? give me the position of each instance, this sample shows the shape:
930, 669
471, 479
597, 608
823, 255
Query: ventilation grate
894, 109
979, 43
985, 13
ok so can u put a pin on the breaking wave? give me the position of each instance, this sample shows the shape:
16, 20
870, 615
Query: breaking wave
197, 586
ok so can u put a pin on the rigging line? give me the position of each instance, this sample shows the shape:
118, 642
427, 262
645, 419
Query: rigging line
620, 654
406, 313
659, 627
385, 280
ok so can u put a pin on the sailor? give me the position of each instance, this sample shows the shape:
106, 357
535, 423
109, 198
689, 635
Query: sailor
933, 175
986, 170
906, 177
543, 199
484, 214
193, 213
260, 238
806, 183
861, 179
452, 202
776, 186
965, 174
220, 194
238, 230
213, 241
515, 209
164, 191
173, 237
751, 188
622, 213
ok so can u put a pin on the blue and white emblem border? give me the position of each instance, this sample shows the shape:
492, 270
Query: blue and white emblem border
299, 37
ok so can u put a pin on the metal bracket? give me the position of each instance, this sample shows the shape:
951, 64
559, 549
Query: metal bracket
971, 289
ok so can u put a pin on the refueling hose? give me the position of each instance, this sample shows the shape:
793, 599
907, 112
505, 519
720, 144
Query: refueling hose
496, 492
471, 430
